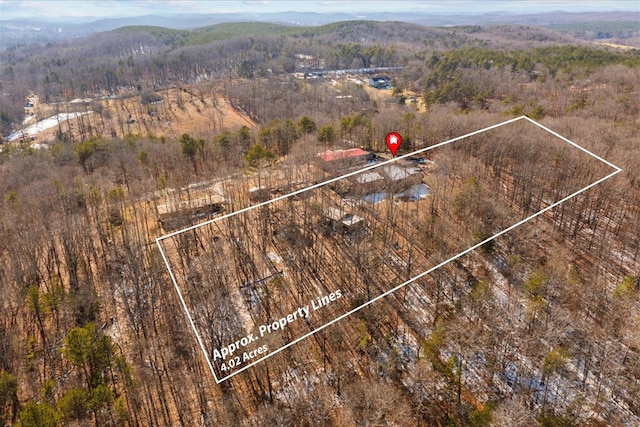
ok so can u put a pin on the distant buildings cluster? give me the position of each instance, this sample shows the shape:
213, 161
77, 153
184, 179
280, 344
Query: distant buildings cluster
31, 102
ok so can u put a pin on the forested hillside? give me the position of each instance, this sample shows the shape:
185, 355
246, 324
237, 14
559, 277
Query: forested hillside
540, 326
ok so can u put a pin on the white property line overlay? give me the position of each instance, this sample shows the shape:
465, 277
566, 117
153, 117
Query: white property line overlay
390, 291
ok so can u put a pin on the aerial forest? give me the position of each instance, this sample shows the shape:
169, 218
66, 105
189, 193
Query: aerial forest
156, 130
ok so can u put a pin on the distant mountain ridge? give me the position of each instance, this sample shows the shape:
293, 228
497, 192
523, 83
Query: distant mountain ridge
16, 32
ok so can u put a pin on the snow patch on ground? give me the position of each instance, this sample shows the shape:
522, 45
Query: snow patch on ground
43, 125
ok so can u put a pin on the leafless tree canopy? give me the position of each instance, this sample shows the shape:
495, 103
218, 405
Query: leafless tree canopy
539, 326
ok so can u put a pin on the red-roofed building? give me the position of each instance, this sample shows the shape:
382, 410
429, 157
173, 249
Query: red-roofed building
336, 160
352, 153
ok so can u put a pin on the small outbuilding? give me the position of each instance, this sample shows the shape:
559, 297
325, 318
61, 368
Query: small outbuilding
342, 222
380, 82
183, 213
30, 104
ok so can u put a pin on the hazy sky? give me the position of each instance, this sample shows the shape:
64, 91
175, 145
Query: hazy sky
12, 9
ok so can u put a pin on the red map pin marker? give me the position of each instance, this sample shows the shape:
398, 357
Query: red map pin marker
393, 140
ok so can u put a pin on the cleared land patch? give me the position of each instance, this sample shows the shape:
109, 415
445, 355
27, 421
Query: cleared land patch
199, 110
